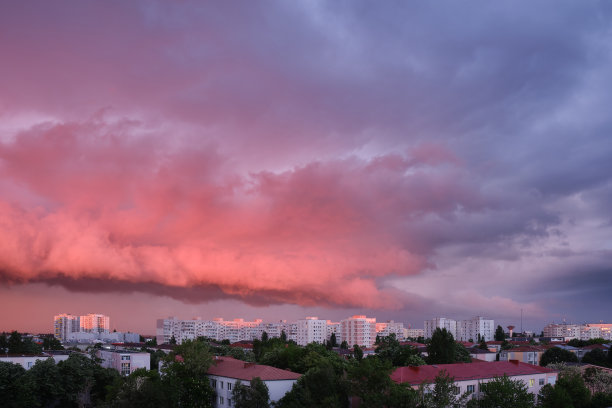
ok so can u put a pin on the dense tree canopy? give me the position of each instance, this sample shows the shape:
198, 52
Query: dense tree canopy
502, 392
557, 355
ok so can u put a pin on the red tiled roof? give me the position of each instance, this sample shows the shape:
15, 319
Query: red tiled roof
241, 370
416, 375
526, 348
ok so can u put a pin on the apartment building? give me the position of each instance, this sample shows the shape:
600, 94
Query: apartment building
311, 330
470, 377
65, 324
124, 361
585, 331
226, 371
475, 329
430, 326
358, 329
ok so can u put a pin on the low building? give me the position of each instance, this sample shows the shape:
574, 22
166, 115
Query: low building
226, 371
524, 354
469, 377
484, 355
27, 361
124, 361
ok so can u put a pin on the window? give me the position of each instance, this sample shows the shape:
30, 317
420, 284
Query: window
220, 400
221, 384
30, 364
229, 386
229, 402
125, 368
470, 388
541, 382
213, 383
531, 382
125, 358
456, 390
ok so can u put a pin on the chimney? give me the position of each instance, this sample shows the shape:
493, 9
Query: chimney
514, 362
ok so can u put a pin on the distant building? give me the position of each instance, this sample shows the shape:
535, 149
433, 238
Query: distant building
474, 329
384, 329
585, 331
359, 330
226, 371
311, 330
64, 325
124, 361
27, 361
469, 377
414, 333
526, 354
430, 326
95, 323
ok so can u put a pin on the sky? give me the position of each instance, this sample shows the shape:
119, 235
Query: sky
282, 159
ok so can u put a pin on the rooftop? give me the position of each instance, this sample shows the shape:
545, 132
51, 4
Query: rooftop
241, 370
416, 375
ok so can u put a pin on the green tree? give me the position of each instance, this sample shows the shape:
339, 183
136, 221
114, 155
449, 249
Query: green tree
441, 349
344, 345
172, 340
596, 357
51, 343
254, 396
184, 375
462, 355
16, 387
390, 349
283, 336
444, 393
502, 392
557, 355
554, 397
141, 389
483, 345
47, 380
333, 341
369, 380
357, 352
601, 400
499, 334
264, 336
321, 386
571, 381
77, 375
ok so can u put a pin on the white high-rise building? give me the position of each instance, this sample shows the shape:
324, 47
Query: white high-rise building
440, 323
311, 330
390, 327
95, 323
359, 330
475, 329
65, 324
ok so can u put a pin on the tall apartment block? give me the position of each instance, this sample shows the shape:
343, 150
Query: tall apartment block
358, 329
311, 330
462, 330
585, 331
64, 324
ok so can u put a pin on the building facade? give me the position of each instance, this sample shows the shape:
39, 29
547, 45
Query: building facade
124, 361
358, 329
430, 326
225, 372
475, 329
64, 325
585, 331
311, 330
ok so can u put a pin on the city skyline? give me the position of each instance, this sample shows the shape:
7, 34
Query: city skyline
280, 160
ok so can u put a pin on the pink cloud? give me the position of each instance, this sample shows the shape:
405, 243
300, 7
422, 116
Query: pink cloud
103, 203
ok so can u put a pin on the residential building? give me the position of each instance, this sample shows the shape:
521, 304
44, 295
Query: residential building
384, 329
475, 329
95, 323
526, 354
483, 355
226, 371
65, 324
585, 331
124, 361
430, 326
311, 330
358, 329
27, 361
469, 377
218, 329
414, 333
